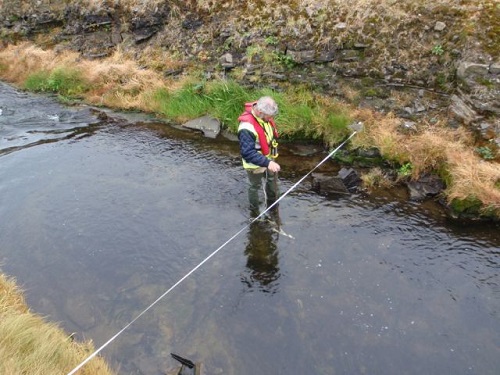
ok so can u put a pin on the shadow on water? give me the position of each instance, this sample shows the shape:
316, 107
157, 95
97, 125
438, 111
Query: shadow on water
97, 227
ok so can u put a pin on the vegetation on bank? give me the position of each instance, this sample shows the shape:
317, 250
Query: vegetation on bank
30, 345
119, 82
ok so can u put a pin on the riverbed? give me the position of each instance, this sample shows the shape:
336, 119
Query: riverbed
100, 218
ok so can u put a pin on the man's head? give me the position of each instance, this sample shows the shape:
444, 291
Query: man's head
266, 108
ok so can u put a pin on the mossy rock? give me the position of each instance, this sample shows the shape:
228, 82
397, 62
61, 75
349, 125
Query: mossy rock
362, 159
469, 205
473, 208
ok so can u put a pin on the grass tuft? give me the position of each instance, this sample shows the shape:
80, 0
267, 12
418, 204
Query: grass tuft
65, 81
29, 345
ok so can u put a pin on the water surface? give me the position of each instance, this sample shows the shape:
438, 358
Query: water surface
100, 220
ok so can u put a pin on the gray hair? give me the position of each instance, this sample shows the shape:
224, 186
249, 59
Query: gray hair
267, 106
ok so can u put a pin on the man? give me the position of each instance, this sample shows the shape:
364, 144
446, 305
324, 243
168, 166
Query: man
257, 135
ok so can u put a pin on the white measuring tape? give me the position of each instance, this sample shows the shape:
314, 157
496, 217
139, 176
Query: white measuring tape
206, 259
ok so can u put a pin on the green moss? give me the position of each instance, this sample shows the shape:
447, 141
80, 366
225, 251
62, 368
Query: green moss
483, 81
358, 158
284, 60
472, 208
367, 82
375, 92
470, 205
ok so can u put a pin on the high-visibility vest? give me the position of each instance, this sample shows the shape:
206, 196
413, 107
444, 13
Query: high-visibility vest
265, 133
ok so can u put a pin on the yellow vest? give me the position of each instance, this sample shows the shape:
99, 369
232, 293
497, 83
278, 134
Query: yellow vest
268, 130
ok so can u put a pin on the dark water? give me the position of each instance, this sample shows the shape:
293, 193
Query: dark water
97, 222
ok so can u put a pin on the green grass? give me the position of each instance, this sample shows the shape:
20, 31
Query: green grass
66, 82
227, 99
187, 103
300, 116
336, 127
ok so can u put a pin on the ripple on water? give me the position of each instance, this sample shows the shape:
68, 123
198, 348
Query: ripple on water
368, 285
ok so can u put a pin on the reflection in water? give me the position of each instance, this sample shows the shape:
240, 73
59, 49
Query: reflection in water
262, 269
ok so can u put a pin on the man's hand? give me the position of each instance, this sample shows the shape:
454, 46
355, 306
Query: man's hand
273, 166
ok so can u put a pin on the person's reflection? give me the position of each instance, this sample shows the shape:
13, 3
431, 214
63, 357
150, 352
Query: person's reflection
261, 251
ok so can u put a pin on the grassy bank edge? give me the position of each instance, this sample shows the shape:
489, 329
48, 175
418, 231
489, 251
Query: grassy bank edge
31, 345
472, 184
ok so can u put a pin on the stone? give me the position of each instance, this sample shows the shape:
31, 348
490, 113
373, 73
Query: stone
328, 184
304, 149
227, 61
466, 69
81, 313
356, 126
461, 110
350, 178
495, 68
425, 187
325, 56
409, 127
209, 126
349, 55
439, 26
419, 107
302, 57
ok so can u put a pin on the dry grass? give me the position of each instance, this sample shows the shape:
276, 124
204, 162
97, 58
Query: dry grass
376, 178
29, 345
116, 82
19, 62
382, 131
428, 150
435, 148
119, 82
477, 178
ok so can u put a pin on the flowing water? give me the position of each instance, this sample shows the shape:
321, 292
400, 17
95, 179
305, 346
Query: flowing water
99, 219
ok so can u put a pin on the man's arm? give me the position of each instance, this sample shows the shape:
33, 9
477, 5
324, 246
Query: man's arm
248, 151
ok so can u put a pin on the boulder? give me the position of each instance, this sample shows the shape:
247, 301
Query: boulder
425, 187
328, 184
209, 126
462, 111
350, 178
345, 182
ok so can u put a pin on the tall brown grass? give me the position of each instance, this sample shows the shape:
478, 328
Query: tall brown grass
435, 149
116, 82
479, 178
30, 345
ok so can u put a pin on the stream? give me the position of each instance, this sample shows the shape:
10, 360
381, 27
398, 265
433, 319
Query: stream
99, 219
